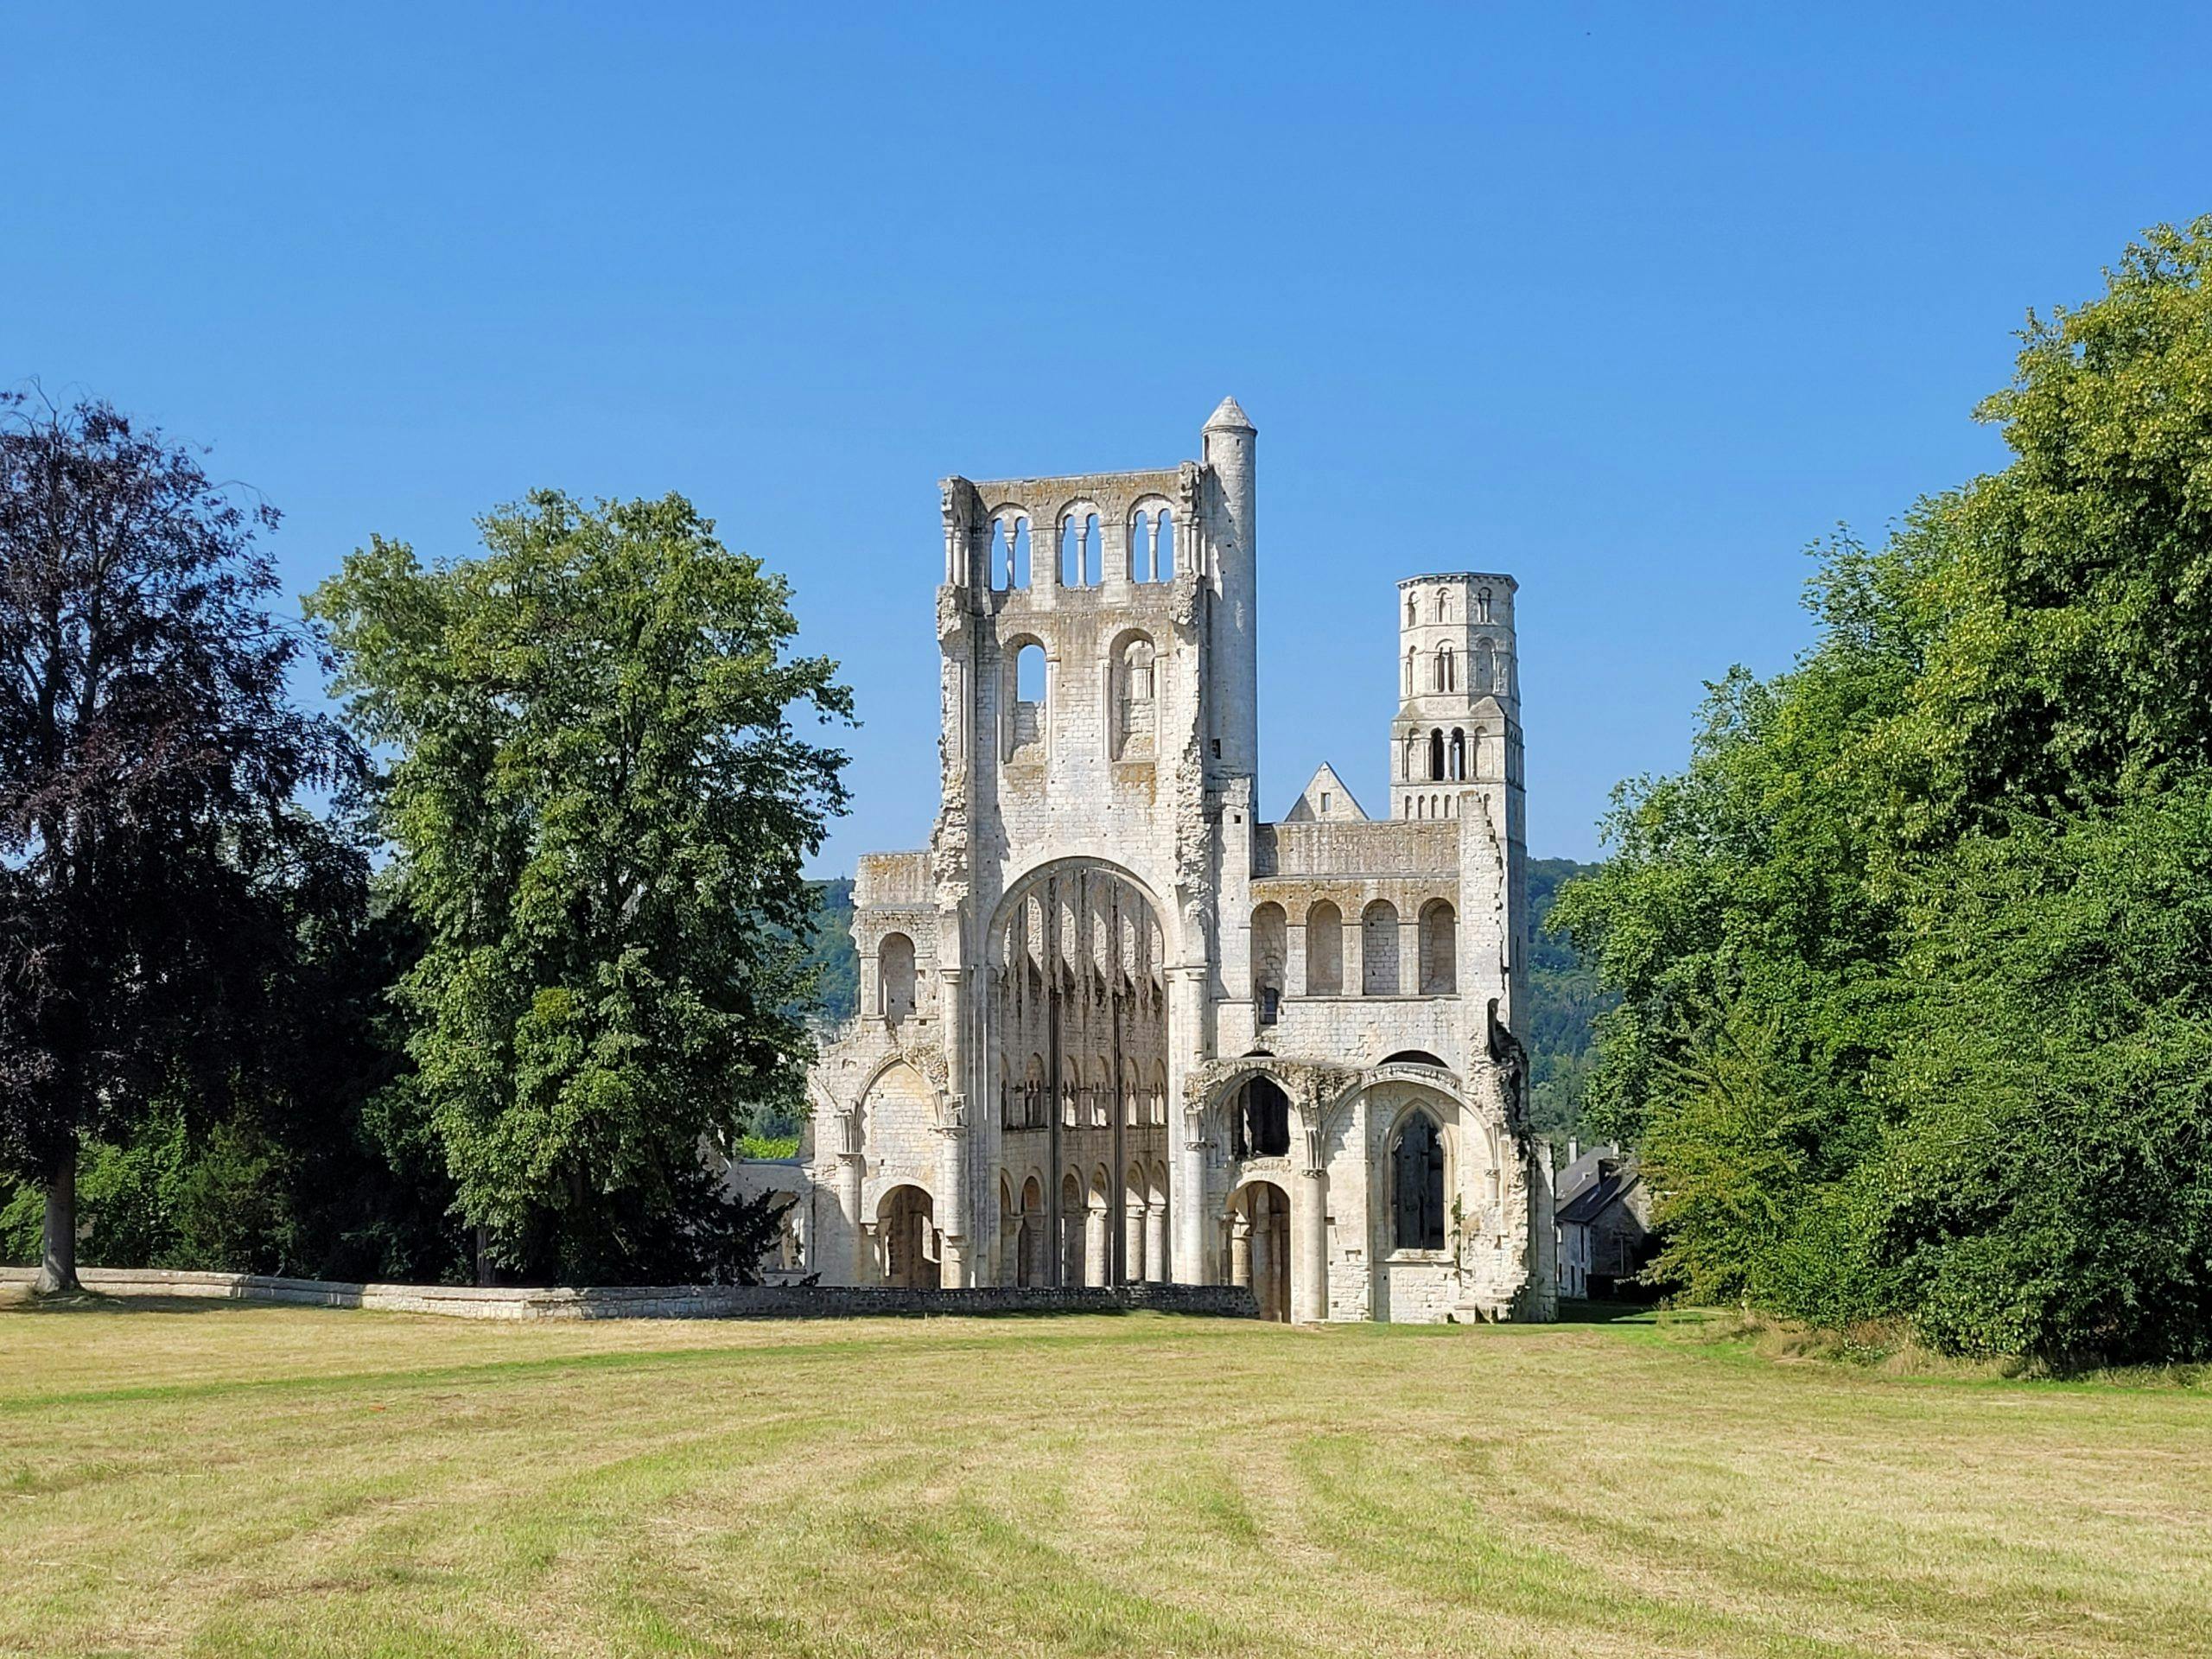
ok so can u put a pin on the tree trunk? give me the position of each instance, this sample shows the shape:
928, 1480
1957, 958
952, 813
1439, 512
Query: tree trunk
57, 1267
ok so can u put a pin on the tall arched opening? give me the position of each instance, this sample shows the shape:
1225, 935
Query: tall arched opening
1078, 1019
906, 1244
1257, 1248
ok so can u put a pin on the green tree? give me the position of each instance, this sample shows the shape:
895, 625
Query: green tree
1912, 996
152, 856
600, 804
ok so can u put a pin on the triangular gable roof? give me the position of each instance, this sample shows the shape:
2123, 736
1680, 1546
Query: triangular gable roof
1325, 800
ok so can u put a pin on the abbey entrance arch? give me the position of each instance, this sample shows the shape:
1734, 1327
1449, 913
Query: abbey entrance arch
1077, 1024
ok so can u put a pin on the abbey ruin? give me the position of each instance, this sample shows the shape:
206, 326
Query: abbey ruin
1114, 1027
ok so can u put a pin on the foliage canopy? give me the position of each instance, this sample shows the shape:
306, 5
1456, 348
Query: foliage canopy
1912, 957
600, 804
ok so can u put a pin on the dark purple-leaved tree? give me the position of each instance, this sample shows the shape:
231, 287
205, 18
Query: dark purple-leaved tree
151, 769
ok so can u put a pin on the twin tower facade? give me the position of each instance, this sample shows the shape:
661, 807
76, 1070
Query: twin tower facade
1115, 1028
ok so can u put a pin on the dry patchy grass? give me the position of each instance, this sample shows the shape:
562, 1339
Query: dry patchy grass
257, 1481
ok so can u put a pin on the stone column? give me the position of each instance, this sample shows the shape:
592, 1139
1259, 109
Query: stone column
1240, 1250
1260, 1261
1155, 1242
851, 1167
952, 1176
1186, 1025
1094, 1245
1188, 1200
1309, 1248
1133, 1256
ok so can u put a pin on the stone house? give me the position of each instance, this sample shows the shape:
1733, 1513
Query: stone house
1604, 1211
1112, 1026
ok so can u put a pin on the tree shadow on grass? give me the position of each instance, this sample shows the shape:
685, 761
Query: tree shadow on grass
1578, 1309
93, 1302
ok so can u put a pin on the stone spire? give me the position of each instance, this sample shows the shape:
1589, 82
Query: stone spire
1230, 417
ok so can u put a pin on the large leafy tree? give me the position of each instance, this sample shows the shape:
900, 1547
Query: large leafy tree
1915, 989
150, 764
600, 804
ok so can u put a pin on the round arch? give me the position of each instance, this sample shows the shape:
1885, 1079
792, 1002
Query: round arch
907, 1248
1070, 862
1074, 968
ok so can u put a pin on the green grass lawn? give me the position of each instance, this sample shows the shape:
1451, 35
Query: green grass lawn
245, 1481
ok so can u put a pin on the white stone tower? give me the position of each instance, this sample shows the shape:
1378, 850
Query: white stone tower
1458, 708
1455, 743
1230, 441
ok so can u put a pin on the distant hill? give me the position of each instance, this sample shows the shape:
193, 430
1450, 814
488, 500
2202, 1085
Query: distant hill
1564, 999
1563, 991
833, 951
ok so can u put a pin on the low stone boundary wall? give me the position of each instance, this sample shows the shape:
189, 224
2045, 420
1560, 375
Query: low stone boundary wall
659, 1301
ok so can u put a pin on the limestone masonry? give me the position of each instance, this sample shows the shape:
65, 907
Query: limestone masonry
1115, 1029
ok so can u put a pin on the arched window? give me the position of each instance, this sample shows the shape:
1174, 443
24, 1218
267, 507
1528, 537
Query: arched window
1270, 950
1151, 545
1436, 754
1008, 552
1412, 1057
1082, 553
1259, 1122
1135, 683
1440, 949
1485, 667
1459, 756
1482, 605
1413, 611
1443, 605
1378, 939
1028, 722
1411, 657
1408, 746
1417, 1185
894, 977
1324, 950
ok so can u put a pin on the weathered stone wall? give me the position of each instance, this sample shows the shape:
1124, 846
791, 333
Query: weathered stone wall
660, 1301
1329, 946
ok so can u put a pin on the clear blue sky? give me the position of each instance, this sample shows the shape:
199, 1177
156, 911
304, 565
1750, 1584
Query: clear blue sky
1633, 301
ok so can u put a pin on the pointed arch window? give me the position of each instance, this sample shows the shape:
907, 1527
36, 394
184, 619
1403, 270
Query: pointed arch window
1259, 1124
1417, 1185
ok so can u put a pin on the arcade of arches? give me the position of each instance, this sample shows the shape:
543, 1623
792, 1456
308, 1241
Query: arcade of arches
1080, 1013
